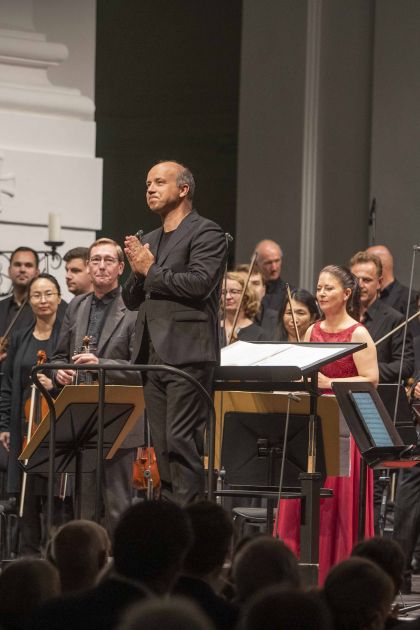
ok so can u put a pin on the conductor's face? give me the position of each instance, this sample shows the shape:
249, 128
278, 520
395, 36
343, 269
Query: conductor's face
162, 191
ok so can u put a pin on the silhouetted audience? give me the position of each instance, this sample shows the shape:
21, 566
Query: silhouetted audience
79, 550
150, 543
264, 562
25, 585
200, 579
277, 608
386, 553
176, 613
389, 556
359, 594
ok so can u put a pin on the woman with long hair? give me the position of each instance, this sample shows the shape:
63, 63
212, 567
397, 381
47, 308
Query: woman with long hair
44, 297
338, 296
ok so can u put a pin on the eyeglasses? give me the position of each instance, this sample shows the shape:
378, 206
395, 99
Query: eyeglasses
232, 291
37, 297
108, 260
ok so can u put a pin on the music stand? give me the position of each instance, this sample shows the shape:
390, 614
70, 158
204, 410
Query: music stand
374, 432
77, 430
252, 448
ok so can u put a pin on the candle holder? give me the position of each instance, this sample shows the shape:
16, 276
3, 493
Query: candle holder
56, 258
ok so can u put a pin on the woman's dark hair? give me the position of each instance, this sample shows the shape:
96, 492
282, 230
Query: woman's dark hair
45, 276
348, 281
304, 297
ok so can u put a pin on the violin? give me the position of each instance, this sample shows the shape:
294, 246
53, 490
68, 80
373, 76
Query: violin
36, 408
86, 376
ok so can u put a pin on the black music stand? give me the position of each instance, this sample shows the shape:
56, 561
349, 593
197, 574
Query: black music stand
252, 448
77, 431
374, 432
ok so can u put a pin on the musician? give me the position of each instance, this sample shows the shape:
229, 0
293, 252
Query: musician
78, 279
269, 262
392, 293
305, 311
175, 284
266, 317
380, 318
245, 329
24, 263
44, 299
102, 316
338, 298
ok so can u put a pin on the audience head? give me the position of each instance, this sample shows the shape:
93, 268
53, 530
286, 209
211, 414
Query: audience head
150, 543
79, 550
359, 594
256, 279
387, 260
24, 265
263, 562
337, 288
278, 607
234, 286
212, 531
368, 270
77, 276
177, 613
26, 584
387, 554
269, 259
305, 309
44, 295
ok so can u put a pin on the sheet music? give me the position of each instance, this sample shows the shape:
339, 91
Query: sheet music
244, 353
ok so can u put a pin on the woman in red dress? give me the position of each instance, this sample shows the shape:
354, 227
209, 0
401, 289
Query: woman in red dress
338, 297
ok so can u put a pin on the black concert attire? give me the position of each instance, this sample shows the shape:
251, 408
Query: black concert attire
275, 295
177, 325
112, 328
15, 390
380, 319
396, 294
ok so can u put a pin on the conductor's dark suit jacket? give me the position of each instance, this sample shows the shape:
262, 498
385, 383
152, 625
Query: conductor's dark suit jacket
115, 343
180, 295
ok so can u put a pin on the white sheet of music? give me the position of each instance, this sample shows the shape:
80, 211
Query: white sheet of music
244, 353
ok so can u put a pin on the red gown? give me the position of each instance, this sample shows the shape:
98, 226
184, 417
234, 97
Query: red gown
339, 514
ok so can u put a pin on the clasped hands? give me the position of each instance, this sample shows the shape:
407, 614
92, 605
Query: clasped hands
139, 256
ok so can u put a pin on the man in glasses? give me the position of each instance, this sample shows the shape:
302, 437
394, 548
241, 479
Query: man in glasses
103, 317
175, 284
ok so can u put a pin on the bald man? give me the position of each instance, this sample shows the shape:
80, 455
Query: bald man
175, 284
393, 293
269, 262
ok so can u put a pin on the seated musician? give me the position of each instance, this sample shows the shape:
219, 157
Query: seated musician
245, 328
44, 298
305, 311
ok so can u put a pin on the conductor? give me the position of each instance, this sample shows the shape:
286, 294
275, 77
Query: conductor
175, 284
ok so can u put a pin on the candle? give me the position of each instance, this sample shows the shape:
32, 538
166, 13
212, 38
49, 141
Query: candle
53, 227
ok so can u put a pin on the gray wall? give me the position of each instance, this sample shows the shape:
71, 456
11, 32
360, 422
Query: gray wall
395, 165
270, 127
367, 124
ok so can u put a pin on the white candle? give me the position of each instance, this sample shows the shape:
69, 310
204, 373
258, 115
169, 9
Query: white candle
54, 227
